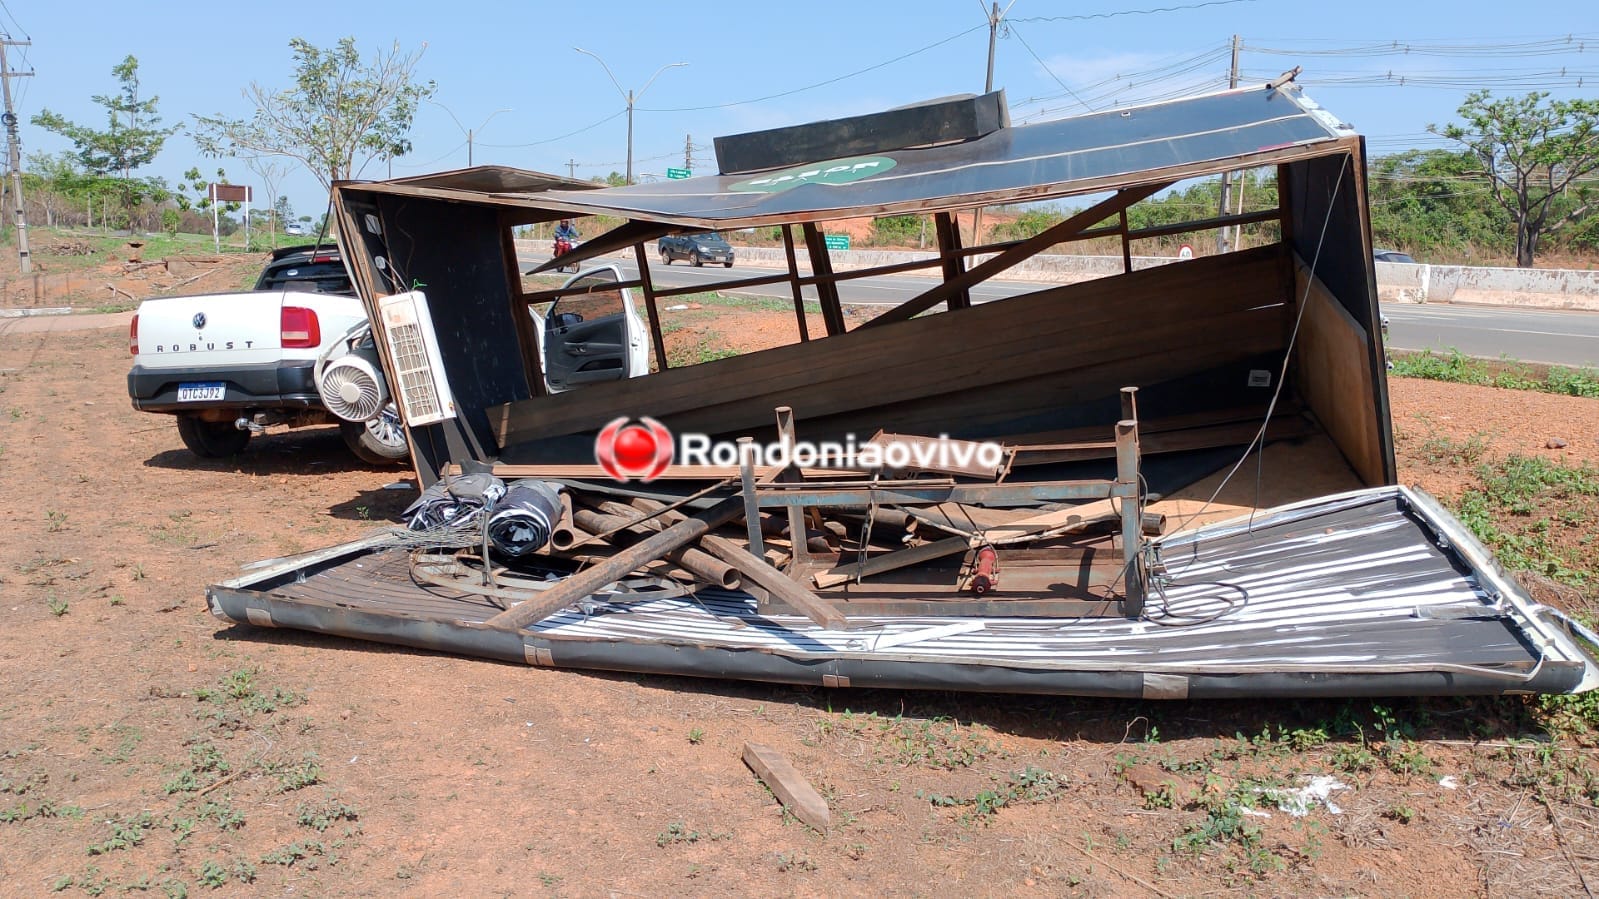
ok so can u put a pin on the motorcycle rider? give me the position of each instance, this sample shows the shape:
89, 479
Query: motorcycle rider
566, 231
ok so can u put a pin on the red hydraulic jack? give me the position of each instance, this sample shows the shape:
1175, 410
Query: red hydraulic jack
985, 574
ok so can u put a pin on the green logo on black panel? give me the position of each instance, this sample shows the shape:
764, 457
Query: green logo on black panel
837, 171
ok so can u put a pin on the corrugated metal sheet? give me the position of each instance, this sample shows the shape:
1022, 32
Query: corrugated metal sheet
1365, 584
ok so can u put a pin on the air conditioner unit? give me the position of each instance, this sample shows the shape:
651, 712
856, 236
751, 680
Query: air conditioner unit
423, 392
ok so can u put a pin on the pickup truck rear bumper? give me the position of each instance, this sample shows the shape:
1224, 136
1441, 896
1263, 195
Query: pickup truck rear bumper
275, 385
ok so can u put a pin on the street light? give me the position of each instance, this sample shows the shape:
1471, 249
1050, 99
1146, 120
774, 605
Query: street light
629, 96
468, 131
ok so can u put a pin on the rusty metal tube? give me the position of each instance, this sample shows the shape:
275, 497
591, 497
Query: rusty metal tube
590, 580
626, 531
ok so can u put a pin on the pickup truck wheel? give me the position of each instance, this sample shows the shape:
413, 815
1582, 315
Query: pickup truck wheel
380, 441
695, 258
666, 258
211, 439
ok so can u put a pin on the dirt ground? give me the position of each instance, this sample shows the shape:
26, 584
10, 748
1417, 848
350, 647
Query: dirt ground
145, 746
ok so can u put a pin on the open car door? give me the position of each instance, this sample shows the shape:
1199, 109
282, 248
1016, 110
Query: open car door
593, 336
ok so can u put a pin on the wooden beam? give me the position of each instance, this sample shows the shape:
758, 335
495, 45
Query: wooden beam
826, 286
1127, 245
1220, 221
794, 284
794, 791
949, 250
1093, 215
526, 340
647, 285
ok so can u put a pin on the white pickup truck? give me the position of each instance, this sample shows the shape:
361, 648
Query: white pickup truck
230, 365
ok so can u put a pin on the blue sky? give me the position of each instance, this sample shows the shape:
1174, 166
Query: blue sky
1389, 69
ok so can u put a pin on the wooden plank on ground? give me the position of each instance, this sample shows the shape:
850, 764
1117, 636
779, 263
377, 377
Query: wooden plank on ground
791, 789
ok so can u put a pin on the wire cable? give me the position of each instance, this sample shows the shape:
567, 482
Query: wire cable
798, 90
1130, 12
1288, 353
1045, 66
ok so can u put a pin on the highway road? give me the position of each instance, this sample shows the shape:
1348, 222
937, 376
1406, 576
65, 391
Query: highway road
1569, 338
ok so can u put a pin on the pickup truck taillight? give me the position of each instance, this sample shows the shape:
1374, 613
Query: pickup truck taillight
133, 335
300, 328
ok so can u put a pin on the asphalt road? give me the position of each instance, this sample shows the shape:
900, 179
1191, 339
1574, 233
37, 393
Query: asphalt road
1569, 338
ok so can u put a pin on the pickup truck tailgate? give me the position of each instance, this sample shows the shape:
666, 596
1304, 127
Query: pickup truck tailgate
218, 329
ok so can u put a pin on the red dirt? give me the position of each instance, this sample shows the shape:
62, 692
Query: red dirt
436, 775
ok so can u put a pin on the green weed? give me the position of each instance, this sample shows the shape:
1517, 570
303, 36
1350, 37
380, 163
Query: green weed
306, 773
321, 816
126, 832
295, 852
1028, 786
678, 832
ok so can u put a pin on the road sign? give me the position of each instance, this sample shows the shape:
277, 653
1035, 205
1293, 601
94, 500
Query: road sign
679, 173
231, 193
837, 241
1185, 252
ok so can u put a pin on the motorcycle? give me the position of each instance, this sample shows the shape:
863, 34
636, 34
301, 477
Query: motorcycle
562, 247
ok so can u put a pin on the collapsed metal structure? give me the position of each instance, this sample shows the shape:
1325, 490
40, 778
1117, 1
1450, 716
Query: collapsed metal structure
963, 577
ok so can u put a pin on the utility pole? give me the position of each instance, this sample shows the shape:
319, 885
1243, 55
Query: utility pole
688, 152
630, 97
14, 151
571, 168
1225, 206
994, 18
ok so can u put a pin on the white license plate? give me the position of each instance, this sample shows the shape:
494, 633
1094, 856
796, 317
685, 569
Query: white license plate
207, 390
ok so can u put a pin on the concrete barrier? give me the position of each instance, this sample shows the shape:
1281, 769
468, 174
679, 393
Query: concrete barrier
1396, 282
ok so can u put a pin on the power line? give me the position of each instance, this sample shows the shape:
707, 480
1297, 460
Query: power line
1549, 46
25, 34
871, 68
1017, 32
617, 114
1131, 12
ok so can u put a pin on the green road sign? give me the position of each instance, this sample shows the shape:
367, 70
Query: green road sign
678, 173
837, 241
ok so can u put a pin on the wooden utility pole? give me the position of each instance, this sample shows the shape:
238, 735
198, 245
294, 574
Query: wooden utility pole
994, 18
1225, 206
14, 151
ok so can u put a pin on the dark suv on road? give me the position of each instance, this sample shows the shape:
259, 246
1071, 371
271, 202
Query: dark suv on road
706, 246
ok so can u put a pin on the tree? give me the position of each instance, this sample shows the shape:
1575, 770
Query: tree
1429, 201
340, 110
56, 182
270, 172
131, 139
1531, 150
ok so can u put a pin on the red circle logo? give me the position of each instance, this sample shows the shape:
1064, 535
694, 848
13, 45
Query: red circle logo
628, 451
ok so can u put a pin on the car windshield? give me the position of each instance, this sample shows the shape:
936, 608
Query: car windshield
712, 237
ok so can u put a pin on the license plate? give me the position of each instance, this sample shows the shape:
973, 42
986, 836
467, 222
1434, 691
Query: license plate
205, 390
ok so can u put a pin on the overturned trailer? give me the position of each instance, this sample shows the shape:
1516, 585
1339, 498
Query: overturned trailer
1111, 551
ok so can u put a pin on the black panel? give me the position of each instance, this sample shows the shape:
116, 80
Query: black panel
454, 253
922, 124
